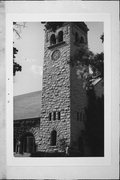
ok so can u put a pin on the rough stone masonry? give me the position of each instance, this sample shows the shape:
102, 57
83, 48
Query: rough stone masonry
63, 97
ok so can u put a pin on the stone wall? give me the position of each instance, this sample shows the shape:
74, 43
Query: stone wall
62, 91
56, 93
21, 127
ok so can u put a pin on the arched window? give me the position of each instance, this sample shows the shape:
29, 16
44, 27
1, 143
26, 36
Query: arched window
60, 36
53, 138
76, 37
50, 116
52, 39
82, 39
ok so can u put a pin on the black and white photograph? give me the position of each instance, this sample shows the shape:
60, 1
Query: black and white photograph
58, 87
59, 63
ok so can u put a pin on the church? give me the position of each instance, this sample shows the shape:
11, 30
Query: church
51, 120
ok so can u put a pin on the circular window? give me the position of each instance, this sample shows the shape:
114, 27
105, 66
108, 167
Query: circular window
56, 55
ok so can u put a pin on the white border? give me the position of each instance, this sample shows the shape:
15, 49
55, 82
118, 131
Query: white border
84, 161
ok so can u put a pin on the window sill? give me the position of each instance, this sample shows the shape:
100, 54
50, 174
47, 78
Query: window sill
55, 45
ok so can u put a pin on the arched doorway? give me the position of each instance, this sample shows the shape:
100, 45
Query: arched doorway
27, 143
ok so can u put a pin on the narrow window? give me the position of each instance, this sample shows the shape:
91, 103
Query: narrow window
59, 115
77, 116
53, 138
54, 115
52, 39
50, 116
60, 36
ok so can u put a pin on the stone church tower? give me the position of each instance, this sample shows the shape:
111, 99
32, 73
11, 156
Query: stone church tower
63, 96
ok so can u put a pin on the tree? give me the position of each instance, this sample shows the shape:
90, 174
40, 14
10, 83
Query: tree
102, 38
94, 134
16, 66
97, 64
62, 144
95, 109
95, 124
84, 60
17, 30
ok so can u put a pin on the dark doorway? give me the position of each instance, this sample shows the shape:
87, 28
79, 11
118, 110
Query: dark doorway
27, 143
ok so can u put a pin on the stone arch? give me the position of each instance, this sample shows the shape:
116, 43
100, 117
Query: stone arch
82, 39
27, 143
53, 138
60, 36
52, 39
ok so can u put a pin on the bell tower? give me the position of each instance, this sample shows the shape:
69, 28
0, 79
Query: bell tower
63, 95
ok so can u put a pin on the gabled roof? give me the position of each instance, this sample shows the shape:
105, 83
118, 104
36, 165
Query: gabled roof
27, 105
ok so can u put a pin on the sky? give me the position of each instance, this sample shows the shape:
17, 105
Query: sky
31, 54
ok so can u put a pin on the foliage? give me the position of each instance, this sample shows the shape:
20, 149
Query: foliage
16, 66
94, 134
95, 124
62, 144
17, 30
102, 38
85, 60
97, 64
81, 56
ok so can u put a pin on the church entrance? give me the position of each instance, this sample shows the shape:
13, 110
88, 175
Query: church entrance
27, 143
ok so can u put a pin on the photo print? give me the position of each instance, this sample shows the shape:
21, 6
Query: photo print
58, 89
